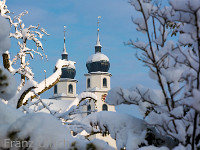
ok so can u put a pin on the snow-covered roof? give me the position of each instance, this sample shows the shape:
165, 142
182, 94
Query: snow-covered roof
71, 65
97, 57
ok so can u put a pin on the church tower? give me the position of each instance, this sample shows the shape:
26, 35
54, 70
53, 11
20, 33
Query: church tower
98, 82
65, 89
98, 77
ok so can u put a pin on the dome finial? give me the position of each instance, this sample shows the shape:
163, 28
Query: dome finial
64, 54
98, 45
64, 48
98, 40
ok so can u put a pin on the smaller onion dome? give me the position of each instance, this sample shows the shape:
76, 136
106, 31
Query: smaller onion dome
69, 71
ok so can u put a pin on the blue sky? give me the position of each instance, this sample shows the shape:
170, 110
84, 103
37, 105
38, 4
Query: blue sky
80, 17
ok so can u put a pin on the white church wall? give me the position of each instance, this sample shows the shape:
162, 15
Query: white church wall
96, 80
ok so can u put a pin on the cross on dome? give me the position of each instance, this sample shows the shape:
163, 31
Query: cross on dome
64, 48
98, 40
64, 53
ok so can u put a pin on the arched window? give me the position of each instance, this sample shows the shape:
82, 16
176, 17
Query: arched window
104, 107
55, 89
88, 83
70, 89
104, 82
88, 109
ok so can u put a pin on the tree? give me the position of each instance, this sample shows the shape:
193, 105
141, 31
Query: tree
172, 55
28, 87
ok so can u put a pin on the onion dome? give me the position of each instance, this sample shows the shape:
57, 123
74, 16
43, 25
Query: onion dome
98, 61
69, 71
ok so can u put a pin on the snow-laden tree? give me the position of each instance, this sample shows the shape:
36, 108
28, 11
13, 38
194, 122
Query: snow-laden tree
28, 88
171, 52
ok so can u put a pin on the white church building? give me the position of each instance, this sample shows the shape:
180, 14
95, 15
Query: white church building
97, 82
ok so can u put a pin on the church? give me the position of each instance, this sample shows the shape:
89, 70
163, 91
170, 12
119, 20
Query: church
97, 81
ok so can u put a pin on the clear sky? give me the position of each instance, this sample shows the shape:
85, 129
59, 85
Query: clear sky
80, 17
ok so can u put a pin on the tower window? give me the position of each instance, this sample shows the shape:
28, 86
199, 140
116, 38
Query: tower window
55, 89
70, 89
105, 107
88, 109
88, 83
104, 82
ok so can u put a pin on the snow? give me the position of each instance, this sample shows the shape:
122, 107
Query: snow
52, 79
44, 126
4, 35
172, 77
196, 99
138, 95
75, 103
170, 112
55, 105
71, 65
8, 84
181, 147
82, 96
14, 100
97, 57
8, 114
42, 130
153, 148
183, 5
124, 128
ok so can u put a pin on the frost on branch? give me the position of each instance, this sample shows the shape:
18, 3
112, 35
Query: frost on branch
24, 36
31, 33
4, 11
45, 84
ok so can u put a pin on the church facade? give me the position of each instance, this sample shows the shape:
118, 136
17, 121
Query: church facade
97, 81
